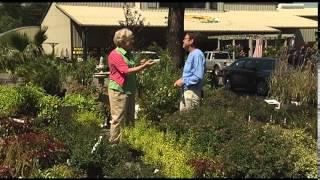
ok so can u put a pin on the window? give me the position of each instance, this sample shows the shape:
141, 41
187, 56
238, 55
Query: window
266, 65
200, 5
221, 56
250, 64
239, 64
164, 5
213, 6
152, 5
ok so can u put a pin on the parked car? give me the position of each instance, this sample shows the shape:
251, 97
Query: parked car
250, 74
217, 60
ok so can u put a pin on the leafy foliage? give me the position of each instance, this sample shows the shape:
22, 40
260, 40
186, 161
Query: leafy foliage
221, 131
10, 101
161, 150
288, 83
43, 72
57, 171
49, 110
135, 22
157, 96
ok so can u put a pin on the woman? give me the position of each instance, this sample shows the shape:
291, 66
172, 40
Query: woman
122, 82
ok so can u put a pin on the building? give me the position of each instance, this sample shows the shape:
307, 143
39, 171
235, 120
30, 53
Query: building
86, 28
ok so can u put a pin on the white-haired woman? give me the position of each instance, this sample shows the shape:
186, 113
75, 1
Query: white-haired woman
122, 82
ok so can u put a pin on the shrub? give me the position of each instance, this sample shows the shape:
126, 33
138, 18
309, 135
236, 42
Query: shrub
298, 84
49, 110
43, 72
89, 118
27, 152
31, 95
79, 131
157, 96
161, 150
83, 71
10, 101
81, 102
57, 171
73, 87
241, 148
270, 151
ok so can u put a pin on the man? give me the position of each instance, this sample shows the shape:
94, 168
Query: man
193, 73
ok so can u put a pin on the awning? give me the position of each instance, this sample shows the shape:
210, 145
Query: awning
253, 36
310, 12
233, 21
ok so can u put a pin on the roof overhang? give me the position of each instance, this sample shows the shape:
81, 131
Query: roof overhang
205, 21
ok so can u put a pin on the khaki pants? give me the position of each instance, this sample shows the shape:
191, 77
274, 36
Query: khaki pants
122, 108
190, 99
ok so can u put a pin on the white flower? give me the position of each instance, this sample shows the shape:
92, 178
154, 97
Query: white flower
156, 171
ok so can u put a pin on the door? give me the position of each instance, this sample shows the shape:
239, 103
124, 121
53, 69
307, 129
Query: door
234, 73
245, 74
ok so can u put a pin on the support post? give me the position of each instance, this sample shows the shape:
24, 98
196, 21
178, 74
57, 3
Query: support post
234, 45
250, 46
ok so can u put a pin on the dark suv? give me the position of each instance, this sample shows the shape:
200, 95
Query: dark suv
250, 74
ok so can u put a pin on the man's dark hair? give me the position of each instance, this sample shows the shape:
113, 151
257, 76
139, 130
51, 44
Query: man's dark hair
196, 37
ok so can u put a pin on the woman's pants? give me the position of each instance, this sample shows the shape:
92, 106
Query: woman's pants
122, 108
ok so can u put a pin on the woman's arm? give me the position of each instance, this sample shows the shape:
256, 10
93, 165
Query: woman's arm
141, 67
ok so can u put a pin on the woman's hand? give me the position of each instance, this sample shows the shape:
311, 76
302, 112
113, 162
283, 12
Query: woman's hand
142, 61
149, 62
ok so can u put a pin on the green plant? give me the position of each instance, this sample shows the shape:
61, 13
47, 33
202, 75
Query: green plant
299, 84
221, 131
49, 110
83, 71
10, 101
31, 95
57, 171
81, 102
161, 150
18, 41
27, 152
43, 72
157, 96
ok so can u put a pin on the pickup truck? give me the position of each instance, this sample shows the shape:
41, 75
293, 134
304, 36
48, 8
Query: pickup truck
217, 60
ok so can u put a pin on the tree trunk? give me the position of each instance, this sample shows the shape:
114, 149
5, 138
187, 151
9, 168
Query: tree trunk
175, 33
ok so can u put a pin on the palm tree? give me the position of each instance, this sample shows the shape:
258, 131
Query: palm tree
18, 41
39, 38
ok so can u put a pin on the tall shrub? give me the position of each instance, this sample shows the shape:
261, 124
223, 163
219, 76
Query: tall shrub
157, 95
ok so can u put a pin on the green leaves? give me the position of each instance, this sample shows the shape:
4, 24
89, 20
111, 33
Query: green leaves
10, 101
157, 95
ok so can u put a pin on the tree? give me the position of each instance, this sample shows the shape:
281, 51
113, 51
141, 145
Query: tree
33, 12
135, 22
7, 23
175, 33
14, 15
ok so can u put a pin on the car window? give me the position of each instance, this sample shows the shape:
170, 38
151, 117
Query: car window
207, 55
221, 56
266, 65
239, 64
250, 64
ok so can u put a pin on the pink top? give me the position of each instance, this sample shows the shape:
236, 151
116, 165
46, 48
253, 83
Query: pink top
118, 67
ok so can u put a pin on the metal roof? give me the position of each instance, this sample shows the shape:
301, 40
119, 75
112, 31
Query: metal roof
231, 21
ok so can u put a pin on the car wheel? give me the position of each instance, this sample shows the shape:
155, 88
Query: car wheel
262, 88
216, 70
227, 84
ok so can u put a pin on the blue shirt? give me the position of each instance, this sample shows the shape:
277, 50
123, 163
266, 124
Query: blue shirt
194, 69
